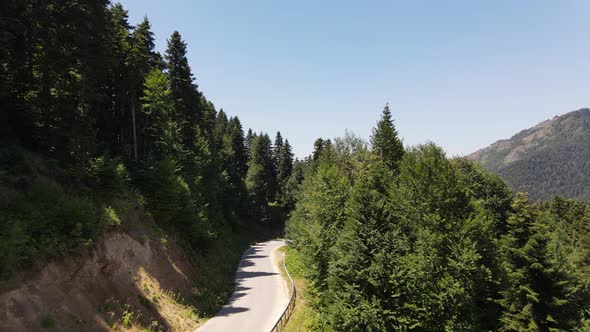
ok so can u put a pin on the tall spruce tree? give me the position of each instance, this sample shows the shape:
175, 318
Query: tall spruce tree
284, 169
161, 136
235, 168
278, 146
361, 291
385, 141
535, 298
187, 98
237, 147
261, 176
114, 122
248, 141
142, 59
219, 131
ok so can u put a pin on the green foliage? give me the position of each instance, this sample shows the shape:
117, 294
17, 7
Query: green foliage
261, 180
162, 133
385, 141
107, 176
390, 240
486, 189
433, 245
110, 217
170, 200
537, 296
318, 219
43, 222
569, 221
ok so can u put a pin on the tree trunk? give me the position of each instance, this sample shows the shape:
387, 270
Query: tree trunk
134, 130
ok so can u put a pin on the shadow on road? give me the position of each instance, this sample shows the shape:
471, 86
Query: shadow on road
253, 274
226, 311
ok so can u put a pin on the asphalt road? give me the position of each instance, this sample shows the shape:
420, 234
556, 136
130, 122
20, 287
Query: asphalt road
260, 296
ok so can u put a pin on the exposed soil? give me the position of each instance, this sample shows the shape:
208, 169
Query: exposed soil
132, 279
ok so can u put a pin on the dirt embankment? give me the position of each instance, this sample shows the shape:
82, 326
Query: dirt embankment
131, 280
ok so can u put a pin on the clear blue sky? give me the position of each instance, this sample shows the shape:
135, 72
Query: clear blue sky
460, 73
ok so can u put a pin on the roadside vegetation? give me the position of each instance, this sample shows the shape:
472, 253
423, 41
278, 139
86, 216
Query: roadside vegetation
394, 239
303, 318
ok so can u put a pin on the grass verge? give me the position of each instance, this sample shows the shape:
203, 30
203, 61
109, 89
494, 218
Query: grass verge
303, 318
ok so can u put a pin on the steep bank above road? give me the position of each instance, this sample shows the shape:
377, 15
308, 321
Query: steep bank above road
132, 279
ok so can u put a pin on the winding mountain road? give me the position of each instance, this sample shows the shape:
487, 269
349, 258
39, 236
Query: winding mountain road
260, 296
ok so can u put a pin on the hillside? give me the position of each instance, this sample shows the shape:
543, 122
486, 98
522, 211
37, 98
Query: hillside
551, 158
79, 258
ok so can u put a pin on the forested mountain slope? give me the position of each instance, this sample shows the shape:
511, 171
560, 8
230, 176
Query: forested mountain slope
551, 158
93, 121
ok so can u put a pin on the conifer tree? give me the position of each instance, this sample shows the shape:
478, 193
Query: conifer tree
318, 220
285, 167
187, 98
261, 176
535, 299
221, 125
234, 168
162, 134
318, 147
278, 145
248, 141
364, 255
385, 141
142, 59
237, 147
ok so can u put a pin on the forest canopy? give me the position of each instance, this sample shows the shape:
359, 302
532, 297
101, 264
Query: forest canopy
93, 119
396, 239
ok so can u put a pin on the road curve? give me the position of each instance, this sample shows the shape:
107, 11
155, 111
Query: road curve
260, 296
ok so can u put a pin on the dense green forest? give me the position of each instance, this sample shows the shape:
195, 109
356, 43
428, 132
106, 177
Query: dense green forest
552, 158
93, 120
396, 239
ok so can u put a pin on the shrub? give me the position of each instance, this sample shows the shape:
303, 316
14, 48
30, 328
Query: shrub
171, 201
110, 217
43, 222
107, 176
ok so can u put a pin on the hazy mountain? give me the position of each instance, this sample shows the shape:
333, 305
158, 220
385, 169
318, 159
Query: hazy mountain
551, 158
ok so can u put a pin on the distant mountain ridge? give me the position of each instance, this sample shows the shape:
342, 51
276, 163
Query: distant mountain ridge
551, 158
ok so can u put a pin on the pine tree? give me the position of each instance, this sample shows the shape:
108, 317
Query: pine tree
142, 59
114, 122
319, 146
317, 221
535, 298
221, 125
237, 146
162, 134
364, 256
142, 49
284, 169
278, 146
187, 98
248, 142
261, 176
235, 168
385, 141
